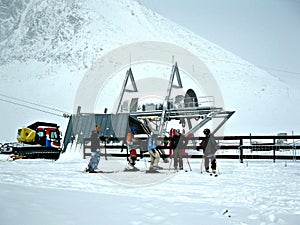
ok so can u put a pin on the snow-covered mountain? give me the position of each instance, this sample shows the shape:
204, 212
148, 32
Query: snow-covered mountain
47, 46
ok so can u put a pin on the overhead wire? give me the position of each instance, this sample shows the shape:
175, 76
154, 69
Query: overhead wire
65, 114
32, 103
240, 63
251, 65
235, 62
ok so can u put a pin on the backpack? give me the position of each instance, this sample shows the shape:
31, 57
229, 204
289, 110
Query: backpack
211, 146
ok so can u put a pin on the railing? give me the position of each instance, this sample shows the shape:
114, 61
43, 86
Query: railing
230, 147
268, 146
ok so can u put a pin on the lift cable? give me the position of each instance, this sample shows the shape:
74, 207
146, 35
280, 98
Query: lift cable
33, 103
35, 108
29, 107
242, 63
251, 65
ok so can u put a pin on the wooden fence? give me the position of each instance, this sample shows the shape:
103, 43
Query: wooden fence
242, 147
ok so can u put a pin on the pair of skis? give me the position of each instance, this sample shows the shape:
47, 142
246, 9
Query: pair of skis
212, 174
188, 162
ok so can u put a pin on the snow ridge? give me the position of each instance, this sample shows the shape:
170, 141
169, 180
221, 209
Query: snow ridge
47, 26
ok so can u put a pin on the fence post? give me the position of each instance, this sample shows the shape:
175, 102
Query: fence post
274, 155
294, 148
241, 150
84, 151
105, 153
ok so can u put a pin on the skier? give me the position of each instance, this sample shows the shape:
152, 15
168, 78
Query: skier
210, 147
132, 149
95, 150
132, 158
177, 143
163, 153
154, 155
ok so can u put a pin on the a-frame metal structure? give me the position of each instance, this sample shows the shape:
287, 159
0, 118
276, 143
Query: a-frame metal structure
129, 74
192, 110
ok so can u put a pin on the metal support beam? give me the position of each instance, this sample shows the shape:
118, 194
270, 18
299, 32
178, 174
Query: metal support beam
175, 71
129, 74
228, 114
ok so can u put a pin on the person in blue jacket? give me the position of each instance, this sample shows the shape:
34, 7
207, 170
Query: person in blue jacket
153, 152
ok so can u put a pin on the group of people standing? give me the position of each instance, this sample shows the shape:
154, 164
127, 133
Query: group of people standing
176, 142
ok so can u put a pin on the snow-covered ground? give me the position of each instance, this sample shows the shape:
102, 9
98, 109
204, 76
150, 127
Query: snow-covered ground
58, 192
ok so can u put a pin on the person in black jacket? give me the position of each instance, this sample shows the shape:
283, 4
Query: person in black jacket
178, 143
95, 141
210, 148
95, 150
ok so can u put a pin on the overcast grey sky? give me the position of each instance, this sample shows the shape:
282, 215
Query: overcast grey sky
264, 32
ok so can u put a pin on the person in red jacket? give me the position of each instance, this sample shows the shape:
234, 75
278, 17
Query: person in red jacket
131, 146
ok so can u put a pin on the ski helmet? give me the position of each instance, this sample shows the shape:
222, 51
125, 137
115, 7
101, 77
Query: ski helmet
132, 129
206, 131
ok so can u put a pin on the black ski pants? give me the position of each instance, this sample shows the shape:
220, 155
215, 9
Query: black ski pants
213, 163
178, 158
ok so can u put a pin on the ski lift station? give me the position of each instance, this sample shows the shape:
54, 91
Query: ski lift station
134, 109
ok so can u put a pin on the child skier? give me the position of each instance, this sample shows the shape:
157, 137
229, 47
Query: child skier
132, 150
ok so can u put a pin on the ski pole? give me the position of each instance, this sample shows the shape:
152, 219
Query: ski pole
201, 166
189, 163
145, 164
171, 158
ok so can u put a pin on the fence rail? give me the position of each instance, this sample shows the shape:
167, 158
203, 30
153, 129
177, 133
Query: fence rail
230, 147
